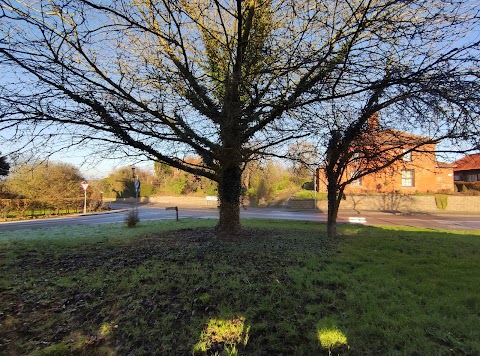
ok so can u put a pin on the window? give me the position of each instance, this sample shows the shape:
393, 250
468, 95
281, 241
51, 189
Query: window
457, 177
357, 182
408, 178
471, 177
407, 156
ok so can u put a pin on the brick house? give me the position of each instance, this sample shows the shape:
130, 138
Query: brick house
417, 171
467, 169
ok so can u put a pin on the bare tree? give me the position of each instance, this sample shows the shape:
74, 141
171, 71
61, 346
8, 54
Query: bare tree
4, 166
374, 148
304, 157
45, 181
231, 80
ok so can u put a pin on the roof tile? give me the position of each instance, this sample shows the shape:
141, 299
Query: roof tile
468, 162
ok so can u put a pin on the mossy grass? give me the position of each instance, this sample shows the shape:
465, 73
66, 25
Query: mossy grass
310, 194
283, 287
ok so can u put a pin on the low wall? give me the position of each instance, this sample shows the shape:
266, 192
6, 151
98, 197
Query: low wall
407, 203
381, 202
301, 204
183, 201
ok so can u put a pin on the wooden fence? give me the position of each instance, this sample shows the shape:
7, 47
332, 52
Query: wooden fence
25, 208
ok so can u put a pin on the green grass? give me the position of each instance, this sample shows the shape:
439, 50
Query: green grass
310, 194
173, 288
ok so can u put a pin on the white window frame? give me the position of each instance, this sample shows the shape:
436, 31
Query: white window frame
408, 178
357, 182
407, 156
471, 177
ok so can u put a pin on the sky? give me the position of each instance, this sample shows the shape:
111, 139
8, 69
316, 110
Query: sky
95, 168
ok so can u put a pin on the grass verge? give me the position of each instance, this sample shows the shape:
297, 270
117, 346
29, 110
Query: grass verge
310, 194
283, 288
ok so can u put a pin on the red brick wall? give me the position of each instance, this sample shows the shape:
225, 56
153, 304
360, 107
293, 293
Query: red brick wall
428, 177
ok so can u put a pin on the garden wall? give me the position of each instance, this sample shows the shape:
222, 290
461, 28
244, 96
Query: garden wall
183, 201
385, 202
407, 203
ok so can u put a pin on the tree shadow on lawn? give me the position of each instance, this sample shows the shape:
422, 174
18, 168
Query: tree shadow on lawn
272, 291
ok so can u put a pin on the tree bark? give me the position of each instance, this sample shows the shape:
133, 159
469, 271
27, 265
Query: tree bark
335, 154
334, 197
229, 190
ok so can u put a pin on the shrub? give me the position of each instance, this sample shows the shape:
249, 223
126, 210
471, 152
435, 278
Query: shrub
468, 188
308, 185
442, 201
445, 191
147, 190
132, 218
179, 185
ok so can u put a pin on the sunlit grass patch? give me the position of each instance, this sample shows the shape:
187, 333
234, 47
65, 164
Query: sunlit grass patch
78, 344
225, 336
331, 338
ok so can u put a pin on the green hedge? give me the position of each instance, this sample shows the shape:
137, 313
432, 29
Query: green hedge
442, 201
24, 208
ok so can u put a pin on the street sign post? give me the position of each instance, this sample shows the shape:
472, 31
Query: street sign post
136, 184
84, 185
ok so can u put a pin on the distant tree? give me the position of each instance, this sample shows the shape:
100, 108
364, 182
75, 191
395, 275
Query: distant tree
4, 166
163, 172
52, 180
120, 183
4, 170
305, 159
265, 179
173, 180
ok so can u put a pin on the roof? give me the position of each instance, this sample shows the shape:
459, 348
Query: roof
468, 162
446, 165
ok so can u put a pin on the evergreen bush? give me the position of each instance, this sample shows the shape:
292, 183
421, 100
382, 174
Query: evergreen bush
441, 201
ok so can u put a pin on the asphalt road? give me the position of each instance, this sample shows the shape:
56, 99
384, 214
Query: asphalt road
148, 212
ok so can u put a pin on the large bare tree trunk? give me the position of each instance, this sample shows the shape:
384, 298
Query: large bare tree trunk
334, 197
229, 189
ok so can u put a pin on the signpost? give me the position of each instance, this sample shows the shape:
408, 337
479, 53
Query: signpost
136, 184
84, 185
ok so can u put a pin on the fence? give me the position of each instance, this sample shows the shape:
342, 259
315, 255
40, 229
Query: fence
24, 208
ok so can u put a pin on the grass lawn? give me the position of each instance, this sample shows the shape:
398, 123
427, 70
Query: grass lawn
172, 288
310, 194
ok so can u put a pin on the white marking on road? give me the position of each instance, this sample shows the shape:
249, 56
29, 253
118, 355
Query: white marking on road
357, 220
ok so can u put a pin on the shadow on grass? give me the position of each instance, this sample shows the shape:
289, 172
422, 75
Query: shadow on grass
283, 288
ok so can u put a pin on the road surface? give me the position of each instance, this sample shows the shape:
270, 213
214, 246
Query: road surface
150, 212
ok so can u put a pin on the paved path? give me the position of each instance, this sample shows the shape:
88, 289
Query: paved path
151, 212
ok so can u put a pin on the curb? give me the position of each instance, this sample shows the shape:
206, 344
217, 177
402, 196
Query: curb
104, 212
